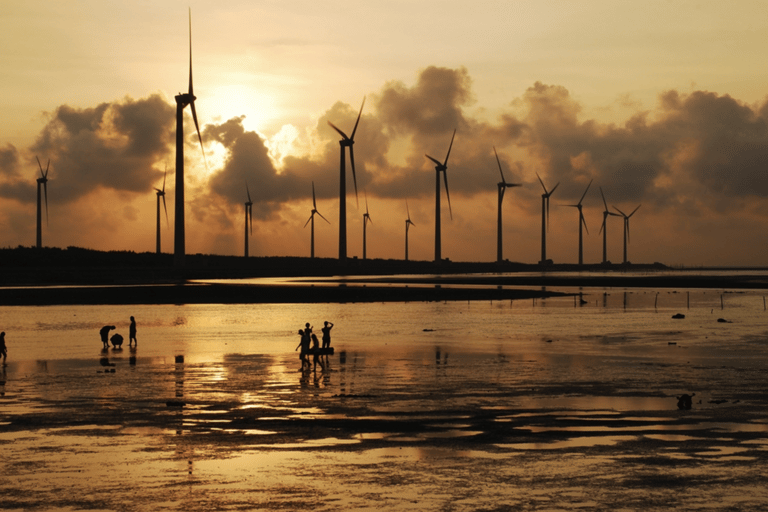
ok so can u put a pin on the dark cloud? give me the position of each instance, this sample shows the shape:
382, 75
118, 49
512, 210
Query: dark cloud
113, 145
9, 160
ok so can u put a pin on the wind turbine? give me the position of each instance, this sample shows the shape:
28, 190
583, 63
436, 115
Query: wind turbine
502, 188
312, 220
161, 193
441, 167
182, 100
345, 142
42, 180
408, 224
366, 219
545, 217
626, 228
582, 223
248, 217
604, 227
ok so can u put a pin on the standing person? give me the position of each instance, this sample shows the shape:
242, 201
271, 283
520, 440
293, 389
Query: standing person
104, 331
304, 344
132, 332
3, 347
327, 334
316, 353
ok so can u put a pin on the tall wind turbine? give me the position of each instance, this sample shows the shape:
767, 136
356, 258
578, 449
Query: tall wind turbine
545, 217
42, 180
441, 167
626, 228
502, 188
604, 227
408, 224
182, 100
312, 220
582, 223
366, 220
248, 217
160, 193
345, 142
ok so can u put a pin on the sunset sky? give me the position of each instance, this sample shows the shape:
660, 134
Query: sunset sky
660, 103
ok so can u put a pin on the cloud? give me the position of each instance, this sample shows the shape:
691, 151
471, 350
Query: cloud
113, 145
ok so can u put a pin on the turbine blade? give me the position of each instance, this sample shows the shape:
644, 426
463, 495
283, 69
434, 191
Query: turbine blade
499, 162
621, 212
354, 176
554, 188
584, 221
344, 135
542, 183
41, 167
445, 177
602, 226
585, 192
165, 174
190, 52
47, 166
603, 196
167, 224
310, 218
197, 127
366, 201
314, 202
434, 160
247, 191
502, 190
352, 137
633, 211
449, 149
407, 210
321, 216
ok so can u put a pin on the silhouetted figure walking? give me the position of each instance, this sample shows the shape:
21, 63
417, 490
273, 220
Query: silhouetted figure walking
3, 347
327, 334
132, 332
316, 353
304, 344
104, 332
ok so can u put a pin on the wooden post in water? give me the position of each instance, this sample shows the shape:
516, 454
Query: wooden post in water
721, 301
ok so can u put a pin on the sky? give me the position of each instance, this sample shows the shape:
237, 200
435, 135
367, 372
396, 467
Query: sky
659, 104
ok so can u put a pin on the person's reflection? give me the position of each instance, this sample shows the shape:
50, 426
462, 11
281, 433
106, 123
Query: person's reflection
2, 381
132, 359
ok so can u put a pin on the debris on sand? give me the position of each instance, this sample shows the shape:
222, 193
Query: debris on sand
724, 321
678, 316
685, 401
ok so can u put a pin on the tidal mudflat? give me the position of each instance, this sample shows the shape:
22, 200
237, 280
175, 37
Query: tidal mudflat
544, 404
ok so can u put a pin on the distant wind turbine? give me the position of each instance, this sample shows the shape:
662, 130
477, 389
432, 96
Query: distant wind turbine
408, 224
502, 188
312, 220
545, 217
582, 223
626, 228
42, 180
345, 142
182, 100
161, 193
604, 226
441, 167
366, 220
248, 217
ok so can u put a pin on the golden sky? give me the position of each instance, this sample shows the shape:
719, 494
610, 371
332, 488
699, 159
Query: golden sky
659, 103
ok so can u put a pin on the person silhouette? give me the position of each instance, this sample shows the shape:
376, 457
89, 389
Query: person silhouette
104, 332
3, 347
316, 353
132, 332
327, 334
304, 344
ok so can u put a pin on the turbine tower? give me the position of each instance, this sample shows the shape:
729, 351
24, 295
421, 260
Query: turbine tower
626, 229
604, 226
366, 219
182, 100
248, 217
160, 193
312, 220
502, 188
441, 167
545, 217
582, 223
408, 224
345, 142
42, 180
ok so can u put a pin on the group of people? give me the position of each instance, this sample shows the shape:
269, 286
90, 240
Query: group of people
117, 339
309, 338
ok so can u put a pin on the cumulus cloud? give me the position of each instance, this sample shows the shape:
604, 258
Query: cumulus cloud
113, 145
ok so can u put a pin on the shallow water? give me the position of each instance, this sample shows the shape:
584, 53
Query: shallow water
534, 405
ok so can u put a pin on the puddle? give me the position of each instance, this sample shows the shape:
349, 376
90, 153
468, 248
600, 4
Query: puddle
576, 442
